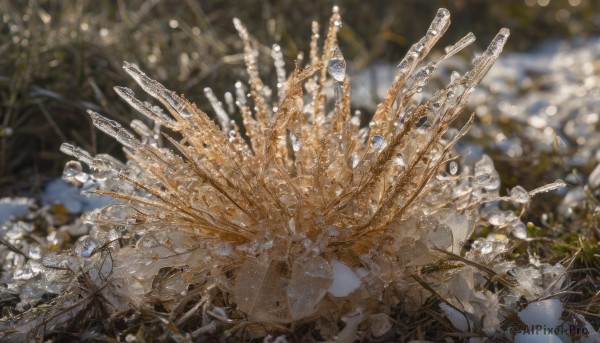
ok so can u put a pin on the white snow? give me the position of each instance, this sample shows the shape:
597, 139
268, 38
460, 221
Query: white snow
458, 319
546, 313
345, 280
14, 207
543, 317
58, 191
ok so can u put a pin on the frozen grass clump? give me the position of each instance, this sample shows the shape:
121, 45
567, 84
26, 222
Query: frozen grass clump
303, 210
296, 215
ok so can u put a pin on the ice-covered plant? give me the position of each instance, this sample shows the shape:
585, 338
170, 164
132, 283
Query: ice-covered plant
301, 214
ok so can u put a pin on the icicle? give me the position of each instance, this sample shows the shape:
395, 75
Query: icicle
549, 187
114, 129
154, 113
240, 93
77, 152
458, 46
149, 85
230, 103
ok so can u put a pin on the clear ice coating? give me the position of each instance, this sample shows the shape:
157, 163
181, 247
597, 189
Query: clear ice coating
72, 169
337, 65
485, 174
453, 167
311, 278
520, 195
378, 143
86, 246
549, 187
222, 115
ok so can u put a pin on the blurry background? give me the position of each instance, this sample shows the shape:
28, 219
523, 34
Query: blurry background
59, 58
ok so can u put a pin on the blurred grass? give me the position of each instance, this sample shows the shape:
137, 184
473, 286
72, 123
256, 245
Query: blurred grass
60, 58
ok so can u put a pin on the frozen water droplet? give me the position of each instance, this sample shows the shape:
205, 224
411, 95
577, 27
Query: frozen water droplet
378, 143
519, 230
337, 65
497, 218
485, 174
485, 247
454, 76
72, 168
399, 160
355, 120
450, 92
86, 246
355, 160
295, 142
231, 136
519, 194
453, 167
